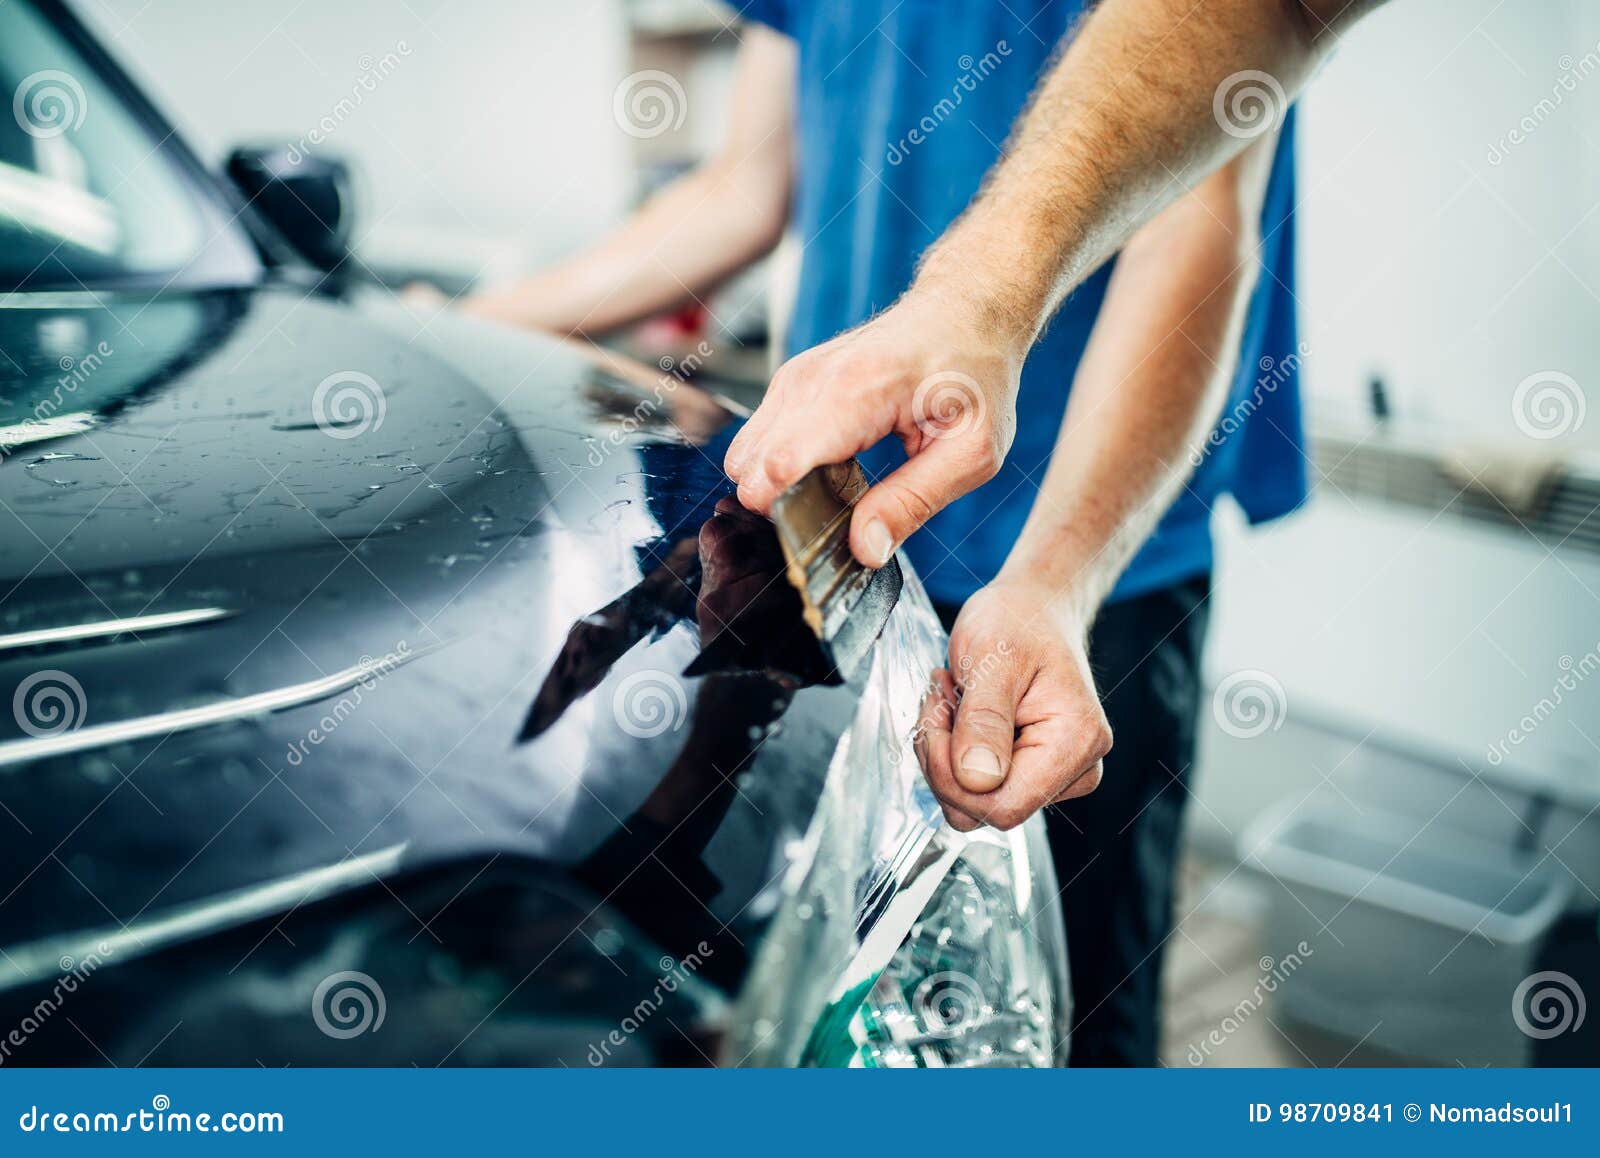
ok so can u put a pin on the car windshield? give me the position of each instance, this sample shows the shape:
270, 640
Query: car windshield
89, 194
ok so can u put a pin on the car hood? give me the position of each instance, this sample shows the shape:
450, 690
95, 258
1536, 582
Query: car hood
301, 593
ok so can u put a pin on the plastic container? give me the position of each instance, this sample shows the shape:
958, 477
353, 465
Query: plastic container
1418, 936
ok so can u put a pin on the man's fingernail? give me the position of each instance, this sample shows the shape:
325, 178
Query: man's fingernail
982, 768
880, 543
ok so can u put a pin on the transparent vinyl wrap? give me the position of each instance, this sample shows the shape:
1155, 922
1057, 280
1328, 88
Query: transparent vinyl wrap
892, 921
979, 980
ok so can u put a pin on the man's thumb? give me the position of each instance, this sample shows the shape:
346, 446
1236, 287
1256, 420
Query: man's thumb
890, 512
985, 729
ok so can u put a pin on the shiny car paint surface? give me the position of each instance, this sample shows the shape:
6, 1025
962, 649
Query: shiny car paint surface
446, 614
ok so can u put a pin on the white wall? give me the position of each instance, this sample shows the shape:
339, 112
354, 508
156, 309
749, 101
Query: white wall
1455, 275
1457, 262
491, 136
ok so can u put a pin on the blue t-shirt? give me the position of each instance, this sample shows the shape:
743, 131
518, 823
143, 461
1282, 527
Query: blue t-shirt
902, 107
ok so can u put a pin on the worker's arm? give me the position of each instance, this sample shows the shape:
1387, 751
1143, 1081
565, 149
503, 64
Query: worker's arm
1029, 729
699, 230
1149, 97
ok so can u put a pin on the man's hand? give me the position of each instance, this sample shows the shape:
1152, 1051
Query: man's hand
1014, 723
927, 370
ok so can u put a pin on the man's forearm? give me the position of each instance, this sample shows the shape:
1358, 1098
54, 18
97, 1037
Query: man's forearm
1125, 122
1148, 388
999, 741
693, 234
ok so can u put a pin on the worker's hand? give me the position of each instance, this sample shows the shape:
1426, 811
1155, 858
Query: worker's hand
1014, 723
926, 370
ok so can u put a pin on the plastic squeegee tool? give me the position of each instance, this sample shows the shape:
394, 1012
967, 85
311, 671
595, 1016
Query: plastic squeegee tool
844, 603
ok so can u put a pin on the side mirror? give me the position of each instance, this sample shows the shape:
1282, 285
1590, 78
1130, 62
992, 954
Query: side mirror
307, 199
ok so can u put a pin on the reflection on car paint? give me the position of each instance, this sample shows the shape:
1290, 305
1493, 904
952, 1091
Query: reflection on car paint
570, 586
629, 701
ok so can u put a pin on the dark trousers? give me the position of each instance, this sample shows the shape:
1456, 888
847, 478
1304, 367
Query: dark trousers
1115, 850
